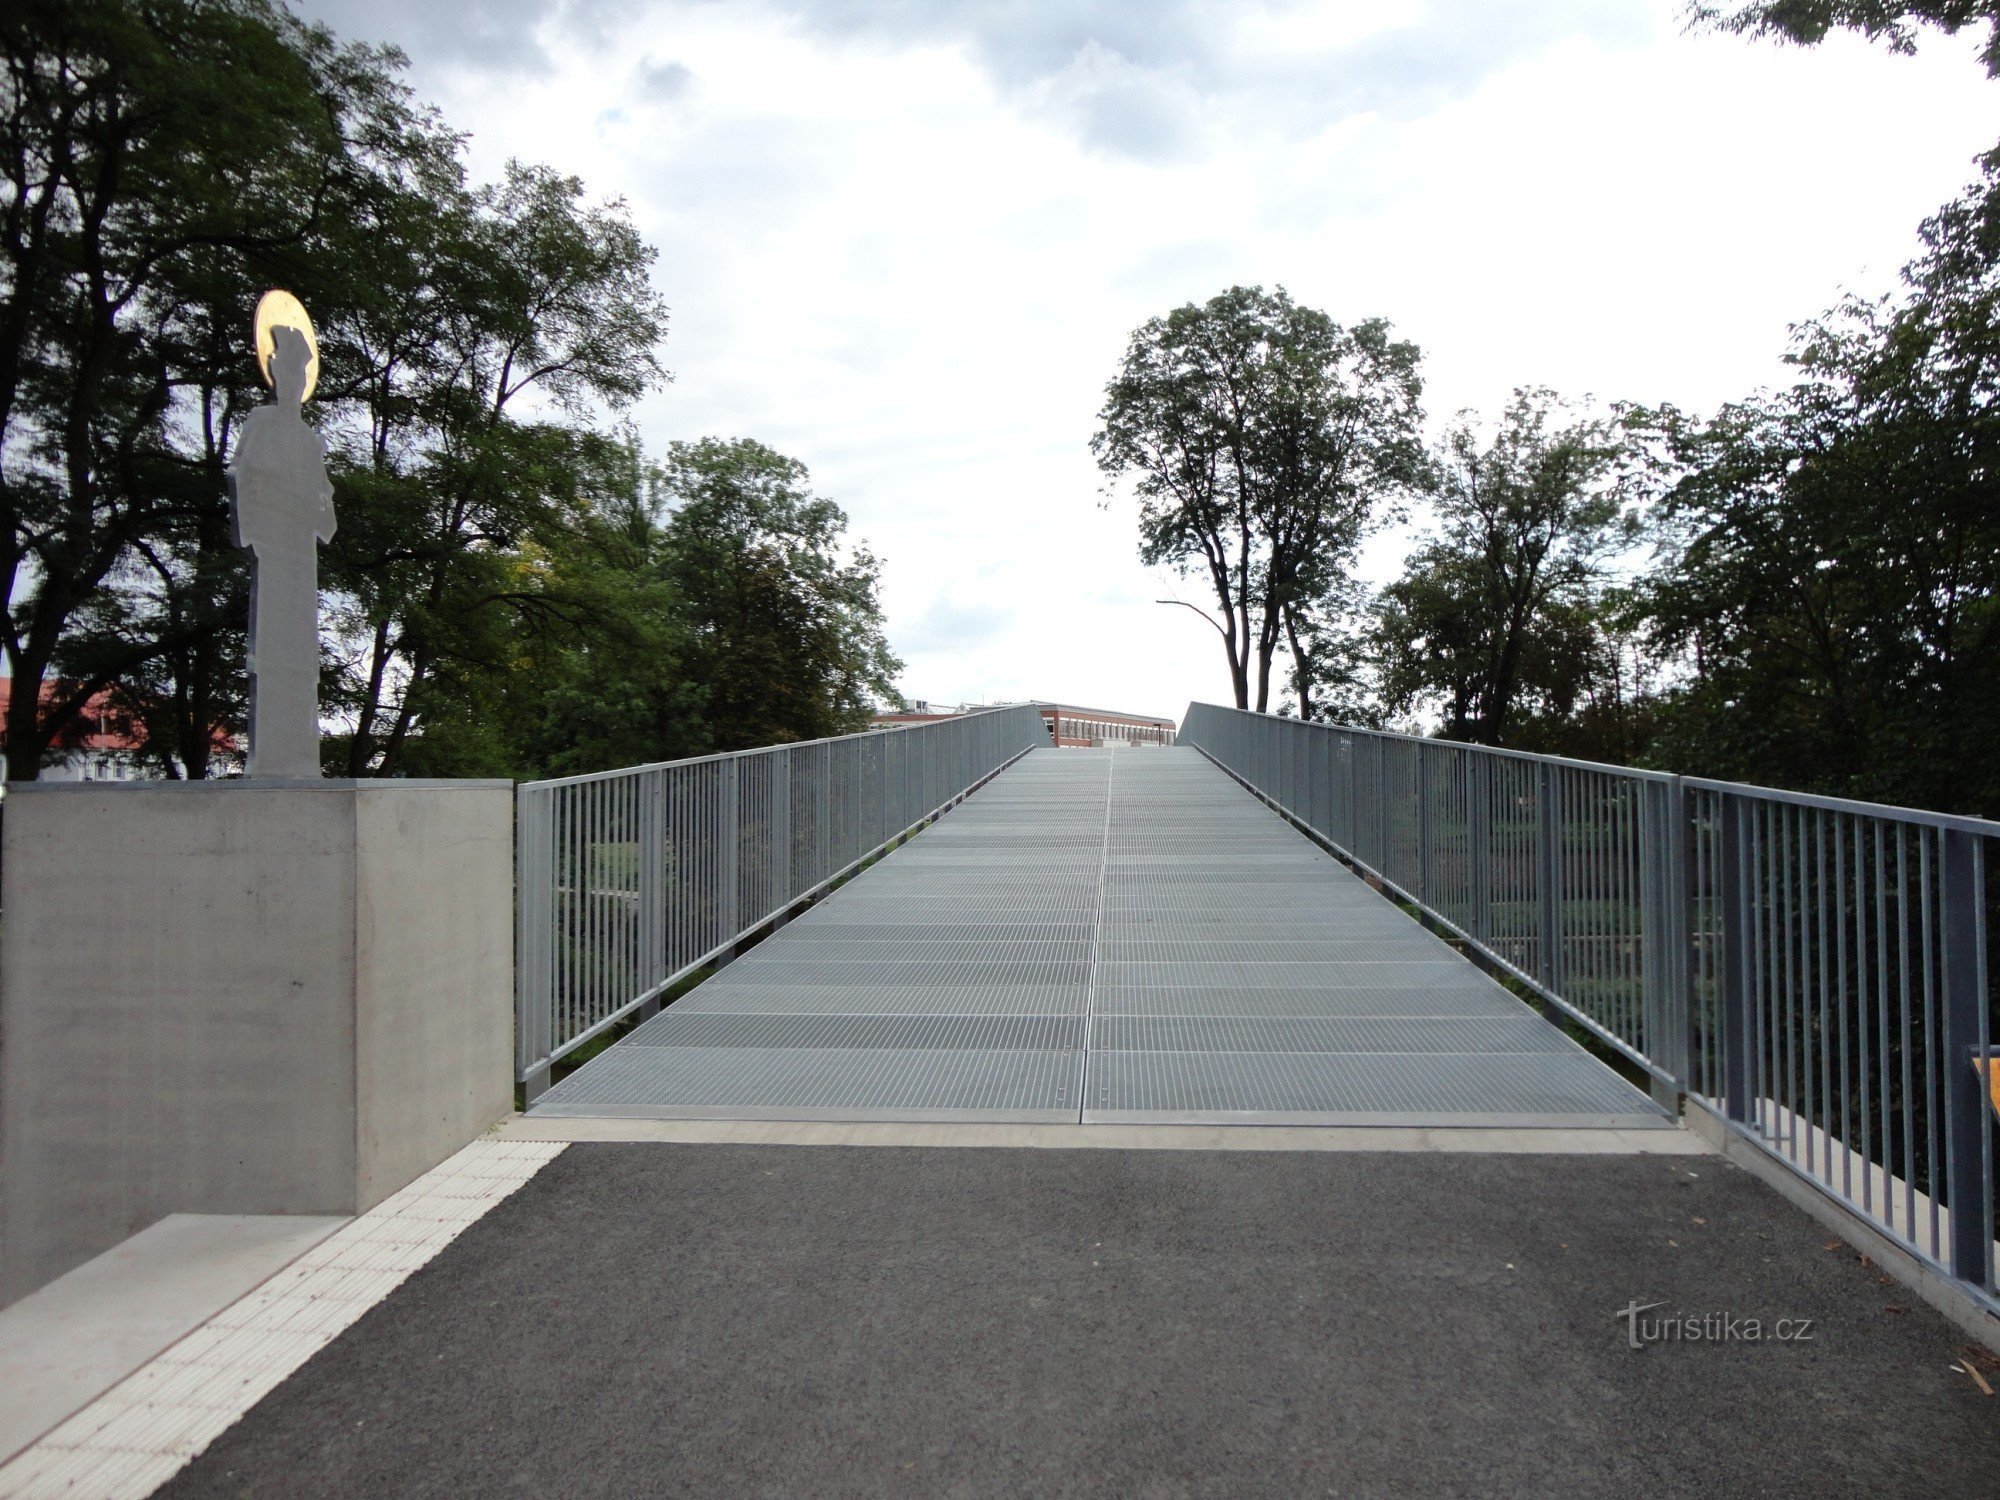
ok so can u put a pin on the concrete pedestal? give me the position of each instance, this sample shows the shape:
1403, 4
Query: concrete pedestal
242, 998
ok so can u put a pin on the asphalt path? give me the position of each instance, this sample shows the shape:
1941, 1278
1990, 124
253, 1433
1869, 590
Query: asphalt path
721, 1320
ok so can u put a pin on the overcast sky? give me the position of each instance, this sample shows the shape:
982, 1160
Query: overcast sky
905, 241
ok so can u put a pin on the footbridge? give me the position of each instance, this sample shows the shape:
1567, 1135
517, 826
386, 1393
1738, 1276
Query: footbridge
1109, 936
1271, 923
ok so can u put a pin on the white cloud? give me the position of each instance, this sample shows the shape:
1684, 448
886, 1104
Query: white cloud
906, 242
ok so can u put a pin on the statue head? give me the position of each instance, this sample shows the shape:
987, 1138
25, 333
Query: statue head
290, 355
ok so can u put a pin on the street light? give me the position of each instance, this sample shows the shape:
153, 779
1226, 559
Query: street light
1203, 613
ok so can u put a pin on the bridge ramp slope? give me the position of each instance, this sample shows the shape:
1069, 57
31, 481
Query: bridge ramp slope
1119, 936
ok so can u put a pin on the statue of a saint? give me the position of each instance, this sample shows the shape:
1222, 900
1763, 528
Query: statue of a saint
282, 505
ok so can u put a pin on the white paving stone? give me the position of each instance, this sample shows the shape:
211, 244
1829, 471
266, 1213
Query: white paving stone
135, 1437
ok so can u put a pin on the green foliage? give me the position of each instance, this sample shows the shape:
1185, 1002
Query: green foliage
1830, 554
705, 603
1891, 21
1335, 660
161, 162
785, 631
499, 297
1496, 618
1262, 438
1823, 605
602, 680
513, 587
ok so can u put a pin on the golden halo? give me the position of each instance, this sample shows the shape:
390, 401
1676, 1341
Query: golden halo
279, 309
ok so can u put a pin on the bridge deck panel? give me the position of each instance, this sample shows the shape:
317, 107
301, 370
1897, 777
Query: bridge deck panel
1120, 936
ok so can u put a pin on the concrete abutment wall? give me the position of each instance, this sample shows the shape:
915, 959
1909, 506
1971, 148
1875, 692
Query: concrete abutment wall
242, 998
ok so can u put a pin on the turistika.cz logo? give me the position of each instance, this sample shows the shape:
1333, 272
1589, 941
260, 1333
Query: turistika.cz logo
1708, 1328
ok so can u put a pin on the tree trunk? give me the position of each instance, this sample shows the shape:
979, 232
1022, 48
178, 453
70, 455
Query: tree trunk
1301, 667
24, 741
1239, 667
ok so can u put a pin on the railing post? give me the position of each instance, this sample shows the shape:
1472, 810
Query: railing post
1310, 736
1738, 1013
729, 831
1351, 758
783, 888
821, 864
534, 875
1423, 827
1687, 938
1548, 885
1381, 860
1320, 760
1962, 892
1663, 1006
652, 960
885, 822
1676, 933
1479, 837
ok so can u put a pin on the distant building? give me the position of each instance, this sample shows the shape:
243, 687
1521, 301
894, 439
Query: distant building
1069, 724
103, 742
1072, 725
916, 711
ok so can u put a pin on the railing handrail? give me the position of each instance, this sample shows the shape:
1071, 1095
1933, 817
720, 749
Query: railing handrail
1959, 822
630, 881
717, 755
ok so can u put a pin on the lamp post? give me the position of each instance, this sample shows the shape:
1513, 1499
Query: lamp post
1228, 646
1202, 612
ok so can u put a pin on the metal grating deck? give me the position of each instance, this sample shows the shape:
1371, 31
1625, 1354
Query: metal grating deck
1118, 936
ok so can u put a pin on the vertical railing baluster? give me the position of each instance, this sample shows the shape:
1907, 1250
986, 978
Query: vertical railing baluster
1962, 999
1423, 780
1479, 839
1548, 882
534, 979
1739, 1037
1656, 1025
652, 958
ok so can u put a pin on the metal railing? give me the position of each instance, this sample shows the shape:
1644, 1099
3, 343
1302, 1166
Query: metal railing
628, 881
1814, 972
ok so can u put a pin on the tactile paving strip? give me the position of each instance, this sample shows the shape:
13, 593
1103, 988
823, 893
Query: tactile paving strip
1107, 936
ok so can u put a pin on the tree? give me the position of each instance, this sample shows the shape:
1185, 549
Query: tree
514, 586
168, 161
598, 676
784, 628
1335, 677
156, 163
503, 296
1497, 615
1829, 555
707, 602
1261, 438
1808, 21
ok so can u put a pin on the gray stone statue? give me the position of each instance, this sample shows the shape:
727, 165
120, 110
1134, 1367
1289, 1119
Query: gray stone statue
282, 506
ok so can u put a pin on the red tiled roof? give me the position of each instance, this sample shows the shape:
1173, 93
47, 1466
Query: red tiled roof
100, 727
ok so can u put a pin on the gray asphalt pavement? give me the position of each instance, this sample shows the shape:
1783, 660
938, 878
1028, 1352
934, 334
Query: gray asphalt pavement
722, 1320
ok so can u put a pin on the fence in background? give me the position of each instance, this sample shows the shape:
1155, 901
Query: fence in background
630, 880
1813, 971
